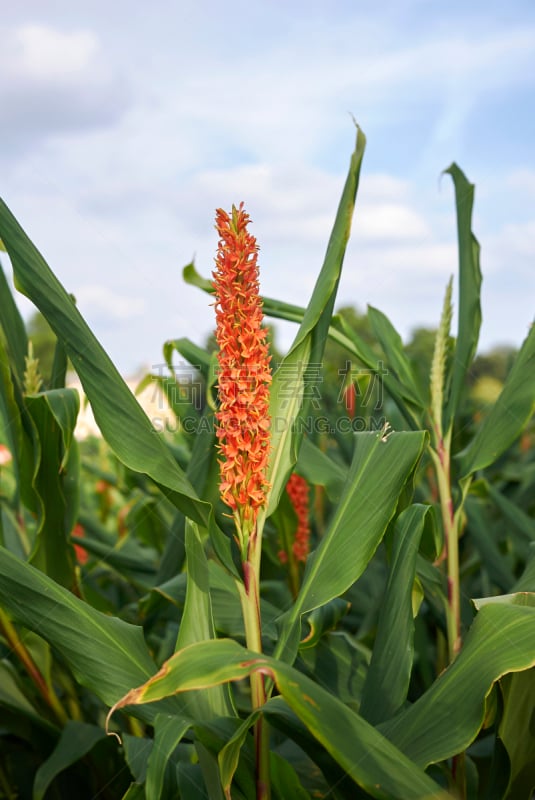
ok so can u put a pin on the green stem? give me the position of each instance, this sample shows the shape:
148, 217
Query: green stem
450, 521
23, 654
451, 538
249, 592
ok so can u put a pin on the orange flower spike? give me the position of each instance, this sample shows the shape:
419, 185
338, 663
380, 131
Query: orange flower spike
298, 491
244, 373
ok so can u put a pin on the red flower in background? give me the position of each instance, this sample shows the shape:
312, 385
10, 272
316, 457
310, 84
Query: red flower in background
298, 491
5, 455
81, 553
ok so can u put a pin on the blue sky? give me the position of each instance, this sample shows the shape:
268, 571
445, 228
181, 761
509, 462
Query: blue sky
124, 125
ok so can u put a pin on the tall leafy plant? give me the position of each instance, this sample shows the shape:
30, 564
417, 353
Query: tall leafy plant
345, 692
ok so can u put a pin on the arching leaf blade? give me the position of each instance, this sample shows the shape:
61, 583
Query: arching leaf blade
119, 416
367, 757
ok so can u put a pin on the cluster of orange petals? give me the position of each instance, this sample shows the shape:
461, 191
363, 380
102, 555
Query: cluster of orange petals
244, 375
298, 491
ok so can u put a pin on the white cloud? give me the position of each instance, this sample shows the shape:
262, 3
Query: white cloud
119, 179
100, 300
54, 82
44, 54
387, 222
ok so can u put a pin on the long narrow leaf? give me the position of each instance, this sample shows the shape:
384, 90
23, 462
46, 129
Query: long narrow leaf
76, 740
197, 625
344, 335
168, 732
448, 717
10, 415
469, 315
118, 414
12, 325
518, 734
367, 757
388, 676
54, 419
294, 381
509, 414
105, 653
397, 359
381, 467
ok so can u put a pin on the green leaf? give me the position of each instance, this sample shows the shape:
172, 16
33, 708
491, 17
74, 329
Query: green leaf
195, 355
13, 328
380, 469
294, 381
137, 751
367, 757
135, 791
284, 779
175, 551
191, 276
190, 783
508, 416
513, 514
517, 732
469, 315
13, 535
132, 561
76, 740
526, 582
10, 416
339, 332
54, 416
105, 654
355, 345
119, 416
397, 359
338, 662
480, 531
449, 715
287, 399
272, 308
197, 625
12, 697
60, 365
387, 681
320, 470
168, 732
229, 755
323, 619
336, 784
513, 599
64, 405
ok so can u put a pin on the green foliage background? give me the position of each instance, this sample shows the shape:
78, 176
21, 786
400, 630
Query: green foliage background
366, 696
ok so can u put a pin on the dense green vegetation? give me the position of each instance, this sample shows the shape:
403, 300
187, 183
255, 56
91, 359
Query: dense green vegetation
397, 662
